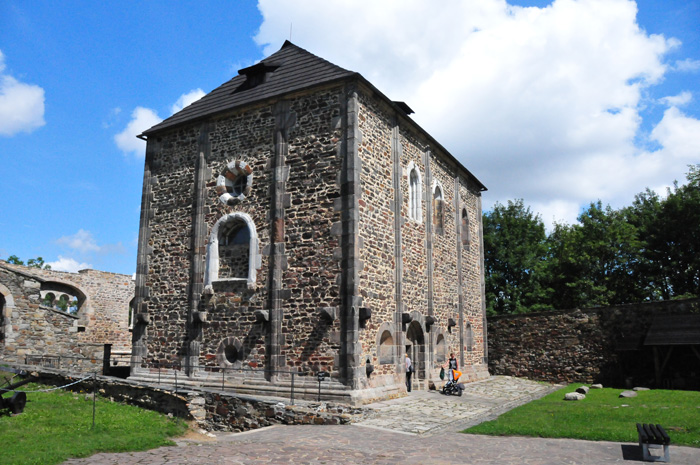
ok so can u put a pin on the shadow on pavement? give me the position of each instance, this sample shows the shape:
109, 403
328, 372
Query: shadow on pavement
632, 453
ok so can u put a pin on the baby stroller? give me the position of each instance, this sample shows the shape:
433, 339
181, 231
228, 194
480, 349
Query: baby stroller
452, 387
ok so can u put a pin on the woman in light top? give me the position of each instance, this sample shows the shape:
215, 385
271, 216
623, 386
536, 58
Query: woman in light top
409, 370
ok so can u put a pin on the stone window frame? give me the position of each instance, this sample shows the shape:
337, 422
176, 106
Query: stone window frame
211, 273
415, 193
385, 359
438, 206
221, 352
61, 290
228, 180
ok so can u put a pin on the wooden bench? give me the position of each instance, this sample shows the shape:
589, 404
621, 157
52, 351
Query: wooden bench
654, 437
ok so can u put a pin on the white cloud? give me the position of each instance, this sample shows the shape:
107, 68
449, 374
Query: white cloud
687, 65
539, 103
144, 118
677, 100
186, 99
81, 241
68, 264
141, 119
21, 105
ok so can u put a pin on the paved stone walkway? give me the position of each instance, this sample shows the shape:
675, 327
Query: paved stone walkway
418, 429
430, 412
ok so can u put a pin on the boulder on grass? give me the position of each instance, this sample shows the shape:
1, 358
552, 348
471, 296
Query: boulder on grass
574, 396
628, 394
582, 389
640, 389
596, 386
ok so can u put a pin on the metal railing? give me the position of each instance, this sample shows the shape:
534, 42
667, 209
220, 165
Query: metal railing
172, 373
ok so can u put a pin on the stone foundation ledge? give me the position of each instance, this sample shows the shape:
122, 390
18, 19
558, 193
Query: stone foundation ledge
212, 410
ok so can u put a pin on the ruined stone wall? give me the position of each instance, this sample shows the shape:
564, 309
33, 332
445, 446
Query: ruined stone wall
583, 345
31, 328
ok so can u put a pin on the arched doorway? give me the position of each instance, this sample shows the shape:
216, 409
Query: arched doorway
415, 348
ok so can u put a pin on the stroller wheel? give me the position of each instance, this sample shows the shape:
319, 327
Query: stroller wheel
459, 392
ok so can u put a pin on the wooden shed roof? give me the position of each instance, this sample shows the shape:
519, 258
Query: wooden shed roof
670, 330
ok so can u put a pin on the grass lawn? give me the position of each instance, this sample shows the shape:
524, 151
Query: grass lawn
58, 425
602, 416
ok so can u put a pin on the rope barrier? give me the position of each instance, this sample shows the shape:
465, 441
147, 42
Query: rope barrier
51, 389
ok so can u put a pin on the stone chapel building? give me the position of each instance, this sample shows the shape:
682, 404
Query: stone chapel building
295, 219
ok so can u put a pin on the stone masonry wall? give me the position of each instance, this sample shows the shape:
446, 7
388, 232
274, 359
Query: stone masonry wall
31, 328
377, 278
310, 272
376, 229
580, 345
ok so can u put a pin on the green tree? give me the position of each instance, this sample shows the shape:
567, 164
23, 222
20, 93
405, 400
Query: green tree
592, 263
514, 252
32, 262
14, 259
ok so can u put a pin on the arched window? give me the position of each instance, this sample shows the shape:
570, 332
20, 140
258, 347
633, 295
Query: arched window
438, 210
415, 211
48, 299
232, 252
61, 296
466, 234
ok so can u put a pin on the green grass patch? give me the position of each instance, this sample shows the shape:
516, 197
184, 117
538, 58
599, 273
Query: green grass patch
57, 425
602, 416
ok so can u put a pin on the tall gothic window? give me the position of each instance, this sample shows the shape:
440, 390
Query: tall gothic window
438, 210
466, 234
414, 195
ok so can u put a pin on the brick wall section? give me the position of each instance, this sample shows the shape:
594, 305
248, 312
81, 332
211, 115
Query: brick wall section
579, 345
33, 329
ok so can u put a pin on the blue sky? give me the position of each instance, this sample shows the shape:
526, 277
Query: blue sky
559, 103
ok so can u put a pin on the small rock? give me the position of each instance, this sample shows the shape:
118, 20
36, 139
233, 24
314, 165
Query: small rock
640, 389
582, 389
574, 396
596, 386
628, 394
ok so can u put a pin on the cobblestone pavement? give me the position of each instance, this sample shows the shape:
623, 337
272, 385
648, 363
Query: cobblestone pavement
390, 437
429, 412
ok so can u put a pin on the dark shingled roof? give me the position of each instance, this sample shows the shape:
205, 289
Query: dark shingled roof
289, 69
671, 330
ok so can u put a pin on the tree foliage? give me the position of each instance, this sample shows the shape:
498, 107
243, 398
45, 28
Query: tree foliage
646, 251
31, 263
514, 244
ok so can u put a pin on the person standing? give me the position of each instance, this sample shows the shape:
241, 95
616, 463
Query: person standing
409, 371
451, 365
